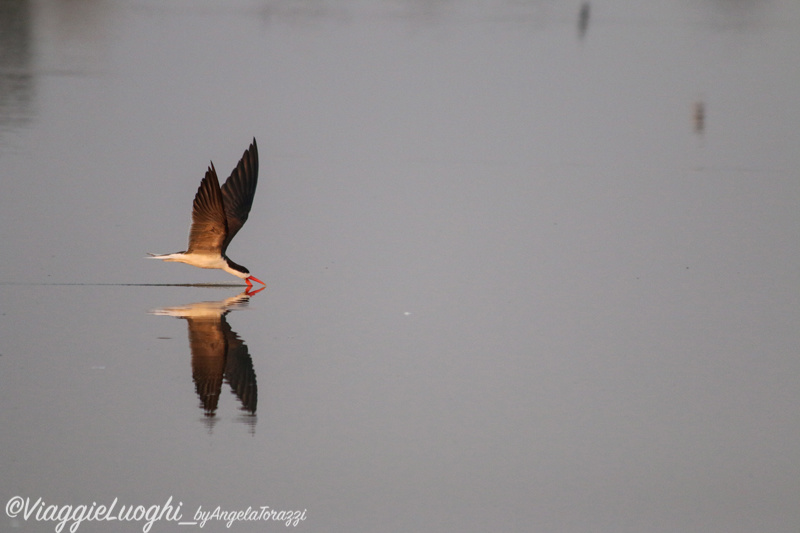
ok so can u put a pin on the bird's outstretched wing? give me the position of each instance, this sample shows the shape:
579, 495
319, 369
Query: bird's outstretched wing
238, 192
209, 228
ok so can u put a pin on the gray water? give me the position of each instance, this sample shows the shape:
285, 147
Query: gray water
527, 269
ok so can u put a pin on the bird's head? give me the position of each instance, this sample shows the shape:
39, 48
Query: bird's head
241, 272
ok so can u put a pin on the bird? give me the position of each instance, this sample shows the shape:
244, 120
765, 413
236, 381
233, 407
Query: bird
218, 213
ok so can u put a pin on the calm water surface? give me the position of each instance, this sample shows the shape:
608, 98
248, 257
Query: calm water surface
531, 266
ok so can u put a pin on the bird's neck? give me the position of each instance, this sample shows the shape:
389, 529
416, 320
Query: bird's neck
235, 269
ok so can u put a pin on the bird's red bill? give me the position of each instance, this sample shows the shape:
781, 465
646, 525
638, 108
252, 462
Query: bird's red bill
251, 279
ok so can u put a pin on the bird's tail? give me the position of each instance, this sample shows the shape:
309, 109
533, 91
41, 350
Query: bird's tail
167, 257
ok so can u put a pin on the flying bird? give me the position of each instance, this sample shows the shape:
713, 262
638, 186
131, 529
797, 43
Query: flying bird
217, 216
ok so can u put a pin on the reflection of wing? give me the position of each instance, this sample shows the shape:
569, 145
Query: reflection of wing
239, 371
208, 344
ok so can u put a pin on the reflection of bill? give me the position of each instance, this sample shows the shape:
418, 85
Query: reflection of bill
218, 354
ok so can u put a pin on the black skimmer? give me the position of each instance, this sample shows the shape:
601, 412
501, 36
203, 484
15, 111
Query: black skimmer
217, 215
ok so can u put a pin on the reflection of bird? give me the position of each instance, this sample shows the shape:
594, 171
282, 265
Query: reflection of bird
217, 352
218, 214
